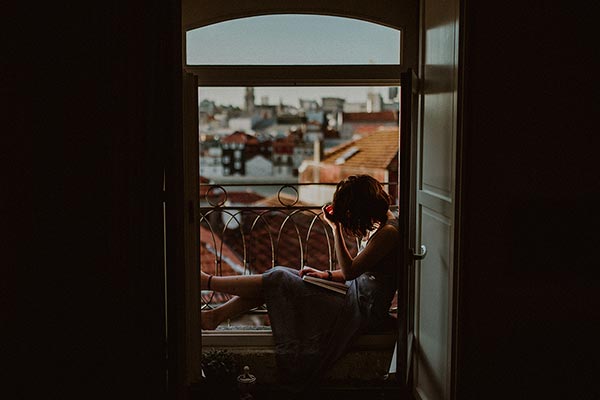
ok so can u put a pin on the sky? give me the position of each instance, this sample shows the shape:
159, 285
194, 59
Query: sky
294, 40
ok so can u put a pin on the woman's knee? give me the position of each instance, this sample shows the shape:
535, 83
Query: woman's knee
279, 273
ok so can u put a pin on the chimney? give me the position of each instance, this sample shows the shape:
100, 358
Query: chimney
318, 150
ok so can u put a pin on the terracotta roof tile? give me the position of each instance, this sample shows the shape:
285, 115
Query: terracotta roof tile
365, 129
243, 197
376, 150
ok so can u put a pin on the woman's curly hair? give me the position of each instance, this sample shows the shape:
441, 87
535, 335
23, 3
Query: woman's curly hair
359, 203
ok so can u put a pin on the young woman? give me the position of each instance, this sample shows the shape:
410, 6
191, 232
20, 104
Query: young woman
312, 326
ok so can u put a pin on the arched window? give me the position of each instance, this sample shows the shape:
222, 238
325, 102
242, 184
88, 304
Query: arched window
293, 39
297, 50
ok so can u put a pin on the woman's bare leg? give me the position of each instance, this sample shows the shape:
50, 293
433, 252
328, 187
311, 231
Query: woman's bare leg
247, 286
235, 306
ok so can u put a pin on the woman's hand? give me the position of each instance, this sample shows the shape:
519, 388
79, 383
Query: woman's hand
326, 215
314, 272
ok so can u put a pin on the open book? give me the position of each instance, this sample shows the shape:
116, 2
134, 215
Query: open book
339, 287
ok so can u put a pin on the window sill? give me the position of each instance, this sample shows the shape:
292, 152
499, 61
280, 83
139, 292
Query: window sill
372, 352
264, 338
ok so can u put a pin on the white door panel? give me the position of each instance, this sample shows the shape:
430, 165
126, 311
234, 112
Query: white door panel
434, 275
432, 306
437, 147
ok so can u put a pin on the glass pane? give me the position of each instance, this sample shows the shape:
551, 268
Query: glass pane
293, 40
277, 153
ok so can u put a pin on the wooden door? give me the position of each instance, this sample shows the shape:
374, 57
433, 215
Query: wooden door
191, 230
435, 211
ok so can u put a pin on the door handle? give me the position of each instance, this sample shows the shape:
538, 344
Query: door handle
421, 255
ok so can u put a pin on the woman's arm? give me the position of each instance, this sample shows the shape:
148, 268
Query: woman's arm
343, 255
336, 275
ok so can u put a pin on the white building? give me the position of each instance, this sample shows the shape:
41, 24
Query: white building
355, 107
242, 124
303, 151
210, 162
259, 166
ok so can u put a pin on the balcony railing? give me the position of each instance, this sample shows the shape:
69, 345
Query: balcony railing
243, 233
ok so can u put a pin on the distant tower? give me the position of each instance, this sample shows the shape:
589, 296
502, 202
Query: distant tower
249, 100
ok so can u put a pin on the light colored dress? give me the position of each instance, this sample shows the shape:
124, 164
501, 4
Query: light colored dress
313, 327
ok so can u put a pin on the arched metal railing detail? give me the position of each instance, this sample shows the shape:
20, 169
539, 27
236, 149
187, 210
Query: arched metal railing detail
260, 217
280, 191
232, 217
328, 240
289, 217
211, 190
204, 217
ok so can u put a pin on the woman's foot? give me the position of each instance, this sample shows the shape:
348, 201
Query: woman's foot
208, 321
204, 280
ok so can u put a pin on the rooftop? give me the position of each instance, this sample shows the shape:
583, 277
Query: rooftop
240, 137
376, 150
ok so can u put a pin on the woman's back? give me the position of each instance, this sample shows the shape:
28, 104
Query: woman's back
375, 289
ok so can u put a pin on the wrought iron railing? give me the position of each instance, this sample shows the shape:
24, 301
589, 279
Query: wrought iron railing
251, 235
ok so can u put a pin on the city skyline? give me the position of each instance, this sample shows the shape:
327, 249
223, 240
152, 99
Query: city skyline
234, 96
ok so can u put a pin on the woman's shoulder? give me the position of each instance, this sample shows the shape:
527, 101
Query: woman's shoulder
392, 222
389, 231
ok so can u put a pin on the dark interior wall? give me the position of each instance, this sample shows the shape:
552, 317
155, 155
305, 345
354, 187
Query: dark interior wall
529, 226
95, 106
92, 113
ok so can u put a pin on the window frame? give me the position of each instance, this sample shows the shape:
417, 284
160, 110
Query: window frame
296, 75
